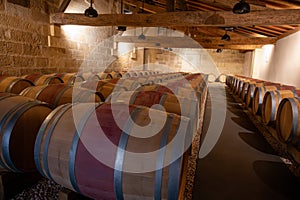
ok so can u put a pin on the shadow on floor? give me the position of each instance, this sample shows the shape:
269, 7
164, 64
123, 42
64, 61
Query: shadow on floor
246, 124
278, 177
257, 141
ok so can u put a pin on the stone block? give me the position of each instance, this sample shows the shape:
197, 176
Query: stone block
32, 50
41, 62
5, 60
22, 61
14, 48
3, 48
53, 51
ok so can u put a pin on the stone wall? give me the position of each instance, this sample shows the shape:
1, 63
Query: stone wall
29, 44
193, 60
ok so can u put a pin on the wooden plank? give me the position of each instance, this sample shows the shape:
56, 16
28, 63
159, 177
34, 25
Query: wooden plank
287, 33
221, 18
170, 5
147, 7
63, 6
181, 5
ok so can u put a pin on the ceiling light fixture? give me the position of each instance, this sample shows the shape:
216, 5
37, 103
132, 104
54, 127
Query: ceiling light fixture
142, 36
91, 12
241, 7
121, 28
225, 37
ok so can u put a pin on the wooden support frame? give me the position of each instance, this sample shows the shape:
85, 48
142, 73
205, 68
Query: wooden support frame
220, 18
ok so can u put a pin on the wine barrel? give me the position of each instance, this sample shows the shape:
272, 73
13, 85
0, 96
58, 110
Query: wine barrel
259, 94
288, 121
250, 93
104, 75
116, 74
170, 102
271, 102
70, 159
258, 97
39, 79
58, 94
20, 120
13, 84
103, 87
70, 78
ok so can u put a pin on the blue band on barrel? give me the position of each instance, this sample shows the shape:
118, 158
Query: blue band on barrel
120, 157
38, 141
3, 121
160, 159
48, 138
8, 131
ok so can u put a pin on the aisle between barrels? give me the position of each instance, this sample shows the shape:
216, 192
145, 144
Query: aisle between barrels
242, 165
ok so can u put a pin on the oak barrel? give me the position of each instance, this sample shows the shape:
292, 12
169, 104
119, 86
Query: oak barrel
250, 93
258, 97
271, 102
103, 87
58, 94
40, 79
20, 120
288, 121
70, 78
12, 84
90, 162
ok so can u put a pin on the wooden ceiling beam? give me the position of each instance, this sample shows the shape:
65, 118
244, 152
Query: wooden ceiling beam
184, 18
187, 41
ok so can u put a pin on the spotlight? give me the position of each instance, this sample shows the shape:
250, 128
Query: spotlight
225, 37
219, 50
91, 12
241, 7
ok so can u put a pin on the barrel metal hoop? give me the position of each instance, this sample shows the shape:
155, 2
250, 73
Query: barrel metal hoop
9, 95
47, 80
74, 145
295, 121
48, 138
163, 99
3, 121
133, 97
40, 91
120, 156
160, 159
15, 81
60, 94
39, 138
275, 105
8, 131
175, 168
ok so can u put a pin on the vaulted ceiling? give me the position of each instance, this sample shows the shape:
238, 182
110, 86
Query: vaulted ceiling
206, 21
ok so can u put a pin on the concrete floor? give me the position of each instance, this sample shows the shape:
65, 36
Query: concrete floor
242, 165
